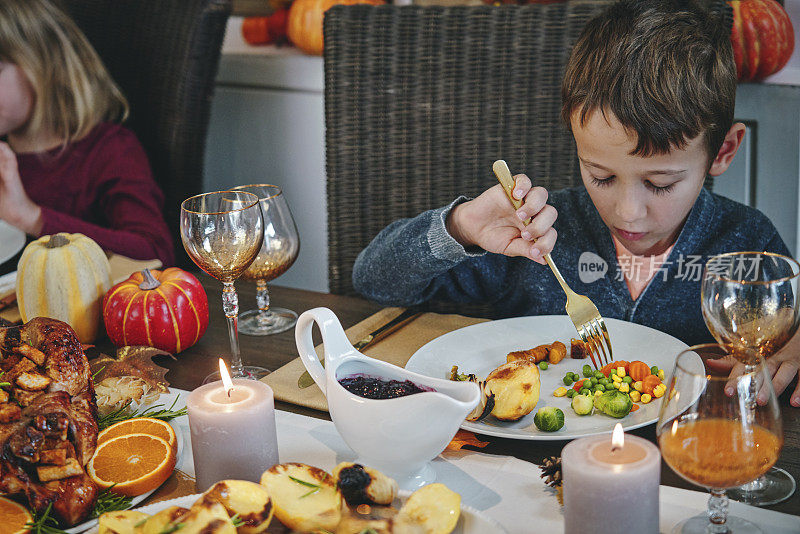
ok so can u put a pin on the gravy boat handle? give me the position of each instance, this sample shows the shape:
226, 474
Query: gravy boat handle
335, 342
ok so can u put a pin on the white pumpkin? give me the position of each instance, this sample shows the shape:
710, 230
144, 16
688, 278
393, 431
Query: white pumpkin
64, 277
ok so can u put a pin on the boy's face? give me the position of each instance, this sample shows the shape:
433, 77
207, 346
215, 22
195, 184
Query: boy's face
16, 98
644, 201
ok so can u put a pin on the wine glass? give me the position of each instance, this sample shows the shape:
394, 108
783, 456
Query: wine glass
278, 253
749, 302
716, 440
222, 232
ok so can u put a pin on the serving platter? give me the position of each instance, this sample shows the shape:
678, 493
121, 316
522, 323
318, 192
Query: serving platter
482, 347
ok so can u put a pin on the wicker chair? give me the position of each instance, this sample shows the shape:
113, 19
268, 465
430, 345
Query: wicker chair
164, 55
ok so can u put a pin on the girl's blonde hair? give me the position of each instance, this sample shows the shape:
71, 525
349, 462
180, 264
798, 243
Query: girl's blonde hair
73, 90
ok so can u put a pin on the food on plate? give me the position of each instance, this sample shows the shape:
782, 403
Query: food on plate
371, 387
130, 379
435, 507
133, 463
140, 425
13, 516
613, 403
164, 309
158, 522
549, 419
582, 404
486, 404
64, 276
49, 434
247, 500
515, 386
552, 353
121, 522
305, 498
206, 516
363, 485
577, 349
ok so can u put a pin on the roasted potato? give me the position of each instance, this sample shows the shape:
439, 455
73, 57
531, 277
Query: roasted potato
248, 500
156, 523
305, 498
432, 509
363, 485
353, 524
206, 516
123, 522
515, 386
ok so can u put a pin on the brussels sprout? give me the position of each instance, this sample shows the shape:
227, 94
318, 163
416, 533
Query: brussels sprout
614, 403
549, 419
582, 404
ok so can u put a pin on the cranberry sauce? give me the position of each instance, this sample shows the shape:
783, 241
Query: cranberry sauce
371, 387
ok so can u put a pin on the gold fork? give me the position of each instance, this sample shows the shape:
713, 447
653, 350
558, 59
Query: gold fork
584, 314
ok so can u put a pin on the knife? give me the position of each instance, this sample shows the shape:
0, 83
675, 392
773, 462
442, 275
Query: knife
409, 314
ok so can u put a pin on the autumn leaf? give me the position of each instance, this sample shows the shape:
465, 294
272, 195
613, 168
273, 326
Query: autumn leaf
464, 437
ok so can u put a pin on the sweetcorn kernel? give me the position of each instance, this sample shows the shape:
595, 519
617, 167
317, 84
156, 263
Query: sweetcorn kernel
620, 371
616, 378
646, 398
560, 392
659, 391
638, 386
635, 396
661, 374
598, 393
616, 384
625, 388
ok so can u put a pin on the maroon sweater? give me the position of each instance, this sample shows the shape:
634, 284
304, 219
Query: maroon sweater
101, 186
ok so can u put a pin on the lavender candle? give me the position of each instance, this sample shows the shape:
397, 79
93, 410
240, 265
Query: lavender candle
611, 484
233, 430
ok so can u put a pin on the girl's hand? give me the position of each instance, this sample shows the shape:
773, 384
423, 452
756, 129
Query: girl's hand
491, 222
15, 206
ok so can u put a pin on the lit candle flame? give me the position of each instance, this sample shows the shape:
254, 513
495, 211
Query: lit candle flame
617, 438
227, 383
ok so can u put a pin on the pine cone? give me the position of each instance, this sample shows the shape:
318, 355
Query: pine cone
551, 471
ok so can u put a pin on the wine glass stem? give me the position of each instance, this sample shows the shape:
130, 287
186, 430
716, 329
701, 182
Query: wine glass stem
262, 298
230, 305
717, 512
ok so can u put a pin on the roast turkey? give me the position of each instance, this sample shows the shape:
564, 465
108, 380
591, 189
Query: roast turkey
48, 419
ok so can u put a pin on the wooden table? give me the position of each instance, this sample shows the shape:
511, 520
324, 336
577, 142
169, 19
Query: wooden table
188, 371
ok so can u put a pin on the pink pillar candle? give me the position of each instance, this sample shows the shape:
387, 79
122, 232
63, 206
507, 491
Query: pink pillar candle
608, 489
233, 436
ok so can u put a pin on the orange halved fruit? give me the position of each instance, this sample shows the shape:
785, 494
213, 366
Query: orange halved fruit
139, 425
136, 463
13, 517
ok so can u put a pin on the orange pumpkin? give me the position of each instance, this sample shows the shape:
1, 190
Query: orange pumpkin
304, 28
761, 36
164, 309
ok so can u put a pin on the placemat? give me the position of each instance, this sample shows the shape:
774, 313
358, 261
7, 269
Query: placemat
395, 348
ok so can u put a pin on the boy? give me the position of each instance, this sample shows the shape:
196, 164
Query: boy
649, 94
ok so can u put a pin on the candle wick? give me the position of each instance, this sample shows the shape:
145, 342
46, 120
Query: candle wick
229, 392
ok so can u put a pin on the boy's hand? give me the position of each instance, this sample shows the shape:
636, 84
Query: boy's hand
491, 222
783, 366
15, 206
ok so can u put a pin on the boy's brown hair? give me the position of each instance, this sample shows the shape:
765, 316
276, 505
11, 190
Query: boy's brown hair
664, 68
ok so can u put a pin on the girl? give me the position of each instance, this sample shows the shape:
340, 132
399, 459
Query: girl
66, 164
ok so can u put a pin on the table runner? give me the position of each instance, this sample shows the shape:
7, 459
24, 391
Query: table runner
504, 488
396, 348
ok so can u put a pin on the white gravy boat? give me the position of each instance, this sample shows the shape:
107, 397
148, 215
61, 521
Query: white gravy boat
397, 436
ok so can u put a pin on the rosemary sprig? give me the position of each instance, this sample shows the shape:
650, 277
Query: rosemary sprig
4, 384
44, 523
124, 413
304, 483
237, 521
108, 501
94, 376
172, 528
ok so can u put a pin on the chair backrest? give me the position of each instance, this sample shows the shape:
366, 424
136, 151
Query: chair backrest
164, 56
420, 101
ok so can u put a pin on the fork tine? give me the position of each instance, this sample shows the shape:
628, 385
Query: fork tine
607, 338
587, 340
597, 336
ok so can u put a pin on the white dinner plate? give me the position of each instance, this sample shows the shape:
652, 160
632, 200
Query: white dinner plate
177, 424
482, 347
11, 241
471, 520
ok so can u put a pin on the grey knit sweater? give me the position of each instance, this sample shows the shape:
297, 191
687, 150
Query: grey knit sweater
415, 260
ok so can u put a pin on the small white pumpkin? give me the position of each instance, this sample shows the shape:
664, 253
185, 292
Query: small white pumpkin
64, 276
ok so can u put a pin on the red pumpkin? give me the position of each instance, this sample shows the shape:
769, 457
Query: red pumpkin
164, 309
304, 28
762, 38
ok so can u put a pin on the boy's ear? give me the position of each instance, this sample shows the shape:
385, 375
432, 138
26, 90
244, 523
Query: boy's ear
733, 139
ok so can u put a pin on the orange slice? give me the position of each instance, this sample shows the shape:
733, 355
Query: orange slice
13, 517
136, 463
139, 425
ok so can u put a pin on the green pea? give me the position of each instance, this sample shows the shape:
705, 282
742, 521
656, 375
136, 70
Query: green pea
567, 380
542, 365
571, 393
600, 387
613, 371
585, 391
587, 372
654, 370
604, 381
599, 374
627, 379
594, 381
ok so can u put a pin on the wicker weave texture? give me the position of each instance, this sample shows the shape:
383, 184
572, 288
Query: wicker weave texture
419, 101
164, 55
